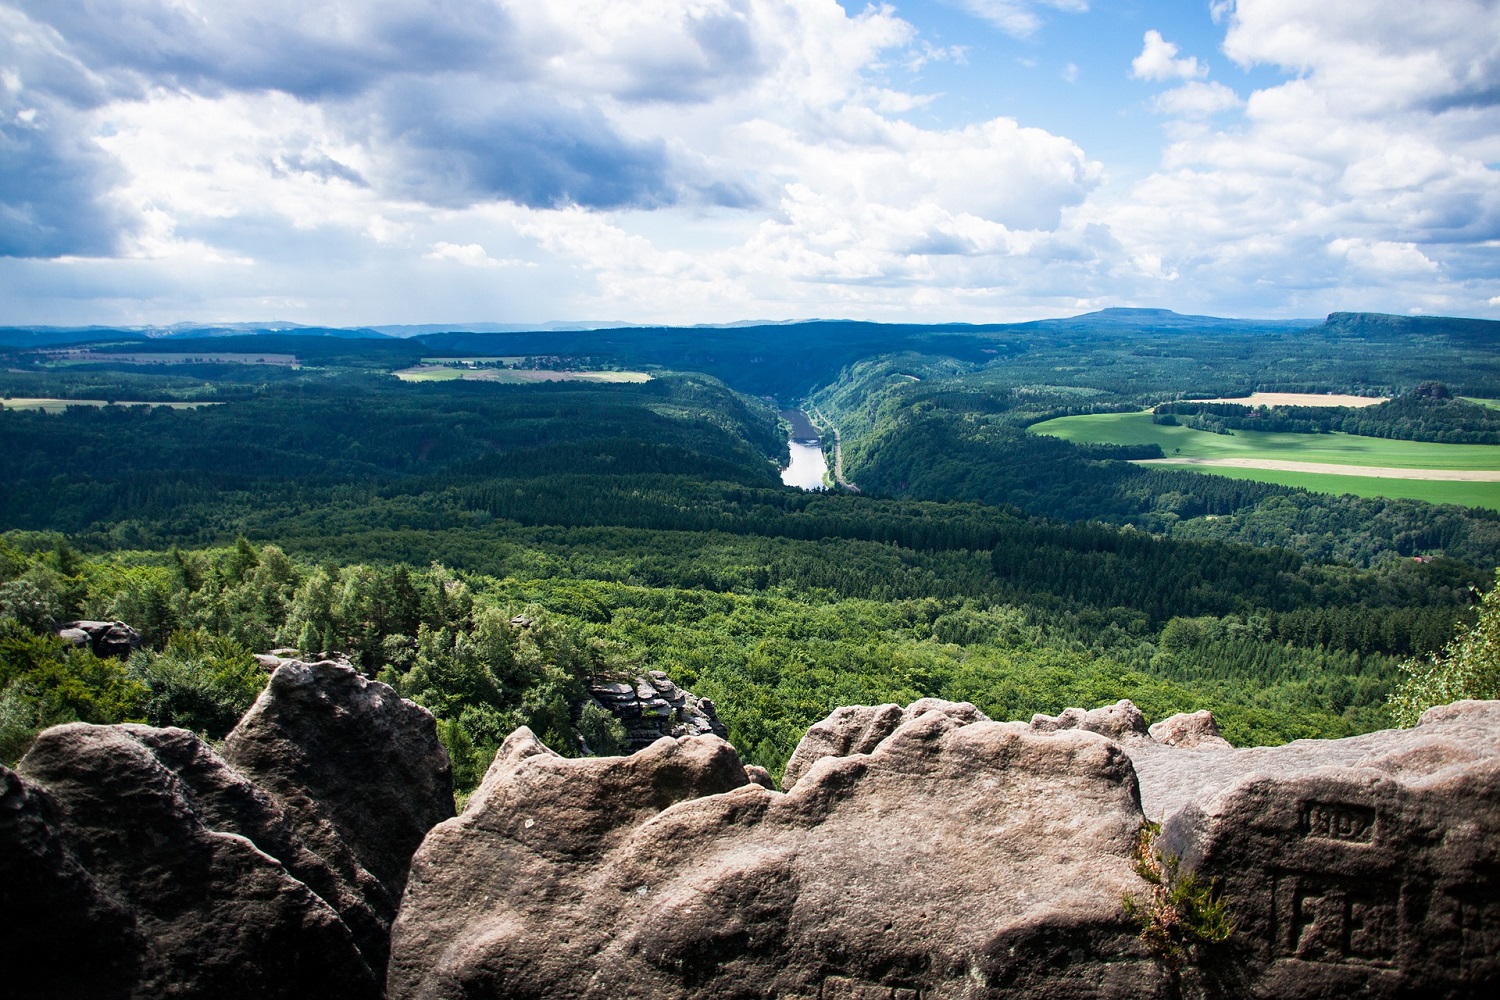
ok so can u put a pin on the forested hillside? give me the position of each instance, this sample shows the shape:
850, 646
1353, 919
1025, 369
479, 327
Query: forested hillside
328, 506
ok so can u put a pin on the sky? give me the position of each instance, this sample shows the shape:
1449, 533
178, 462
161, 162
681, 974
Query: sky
363, 162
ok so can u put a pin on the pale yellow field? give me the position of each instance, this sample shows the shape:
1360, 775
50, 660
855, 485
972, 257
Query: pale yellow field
514, 376
1296, 399
58, 405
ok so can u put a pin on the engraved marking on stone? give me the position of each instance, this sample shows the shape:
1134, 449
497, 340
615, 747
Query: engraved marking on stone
1338, 821
1319, 920
1478, 921
845, 988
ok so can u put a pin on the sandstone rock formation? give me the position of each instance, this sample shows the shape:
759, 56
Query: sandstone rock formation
136, 862
651, 707
350, 761
928, 852
1360, 867
959, 857
164, 843
102, 638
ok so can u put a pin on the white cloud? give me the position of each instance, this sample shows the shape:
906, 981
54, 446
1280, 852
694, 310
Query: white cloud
469, 255
1196, 100
1019, 18
1366, 180
1158, 61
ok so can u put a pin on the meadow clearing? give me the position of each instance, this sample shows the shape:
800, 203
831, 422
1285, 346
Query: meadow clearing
1375, 466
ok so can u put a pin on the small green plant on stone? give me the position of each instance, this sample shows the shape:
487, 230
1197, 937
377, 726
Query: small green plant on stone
1180, 910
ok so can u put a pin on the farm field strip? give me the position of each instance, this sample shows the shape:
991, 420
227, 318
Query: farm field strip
1304, 449
514, 376
1296, 399
1465, 494
48, 405
1328, 468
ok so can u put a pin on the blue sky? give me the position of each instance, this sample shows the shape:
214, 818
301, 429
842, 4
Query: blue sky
682, 161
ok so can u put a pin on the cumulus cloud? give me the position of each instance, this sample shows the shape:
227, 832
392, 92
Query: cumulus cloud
1020, 18
468, 254
1158, 61
1196, 99
1364, 180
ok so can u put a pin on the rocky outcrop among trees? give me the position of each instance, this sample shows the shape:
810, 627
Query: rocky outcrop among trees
651, 707
137, 862
928, 852
101, 638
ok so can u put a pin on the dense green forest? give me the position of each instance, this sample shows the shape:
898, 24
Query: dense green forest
328, 506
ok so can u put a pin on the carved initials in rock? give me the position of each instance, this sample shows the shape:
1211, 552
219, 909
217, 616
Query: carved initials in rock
1337, 821
1321, 921
844, 988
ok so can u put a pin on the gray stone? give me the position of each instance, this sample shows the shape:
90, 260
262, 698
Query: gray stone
104, 638
166, 833
859, 729
954, 859
350, 762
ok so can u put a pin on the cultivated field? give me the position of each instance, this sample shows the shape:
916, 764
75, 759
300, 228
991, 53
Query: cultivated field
1297, 399
58, 405
514, 376
1328, 463
153, 358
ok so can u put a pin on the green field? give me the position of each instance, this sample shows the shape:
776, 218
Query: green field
1327, 449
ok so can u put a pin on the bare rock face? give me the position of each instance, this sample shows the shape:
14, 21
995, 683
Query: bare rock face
1362, 867
50, 908
956, 857
102, 638
1190, 729
351, 763
167, 851
861, 728
651, 707
926, 853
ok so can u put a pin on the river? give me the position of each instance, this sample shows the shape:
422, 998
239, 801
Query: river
808, 465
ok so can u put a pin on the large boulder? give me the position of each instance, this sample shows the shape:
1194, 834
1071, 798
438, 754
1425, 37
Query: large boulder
1362, 867
62, 937
860, 729
926, 852
351, 762
956, 857
169, 854
102, 638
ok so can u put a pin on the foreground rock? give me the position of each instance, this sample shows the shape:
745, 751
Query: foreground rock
135, 862
957, 858
1361, 867
350, 761
164, 844
928, 852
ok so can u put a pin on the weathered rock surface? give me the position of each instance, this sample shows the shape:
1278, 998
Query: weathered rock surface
958, 858
159, 839
62, 936
135, 862
1360, 867
102, 638
927, 852
861, 728
651, 707
350, 762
